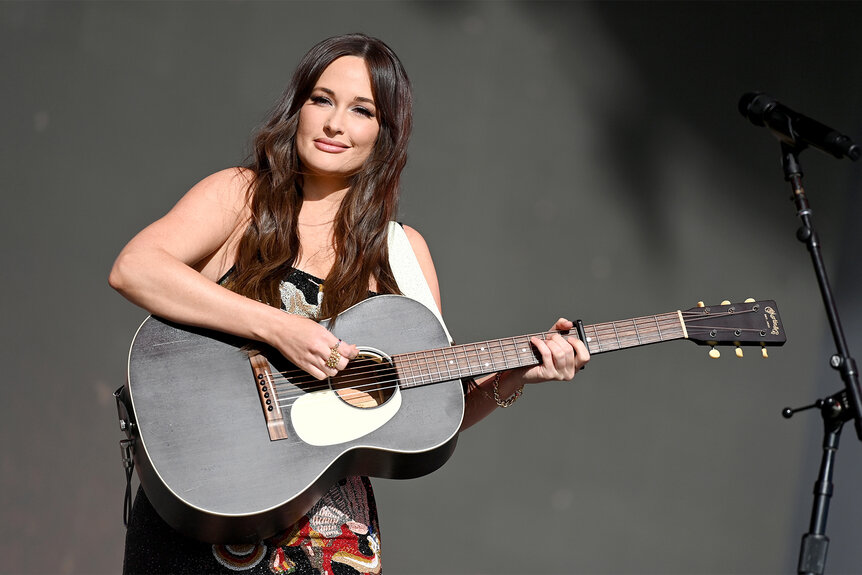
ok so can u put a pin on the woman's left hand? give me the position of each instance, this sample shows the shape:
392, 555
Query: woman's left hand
562, 357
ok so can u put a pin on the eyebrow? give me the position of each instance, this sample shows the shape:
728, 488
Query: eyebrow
356, 99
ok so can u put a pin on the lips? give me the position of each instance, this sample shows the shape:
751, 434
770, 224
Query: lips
330, 146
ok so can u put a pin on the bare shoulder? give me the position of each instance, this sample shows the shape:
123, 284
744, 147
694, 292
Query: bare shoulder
220, 200
417, 242
202, 228
229, 187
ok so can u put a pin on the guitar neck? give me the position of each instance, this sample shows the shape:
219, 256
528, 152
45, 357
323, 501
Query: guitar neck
475, 359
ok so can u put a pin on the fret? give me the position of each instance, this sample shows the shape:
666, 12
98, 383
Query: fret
487, 366
438, 372
515, 351
431, 370
503, 353
616, 334
637, 332
463, 361
524, 349
466, 358
596, 337
411, 380
420, 376
477, 352
658, 327
458, 364
427, 371
449, 363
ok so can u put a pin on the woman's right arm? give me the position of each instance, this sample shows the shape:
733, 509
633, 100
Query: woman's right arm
171, 269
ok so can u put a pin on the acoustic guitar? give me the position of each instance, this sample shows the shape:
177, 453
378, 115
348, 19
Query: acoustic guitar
233, 443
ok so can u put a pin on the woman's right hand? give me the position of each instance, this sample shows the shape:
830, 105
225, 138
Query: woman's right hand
308, 345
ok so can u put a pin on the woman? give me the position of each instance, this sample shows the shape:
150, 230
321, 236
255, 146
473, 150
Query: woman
302, 228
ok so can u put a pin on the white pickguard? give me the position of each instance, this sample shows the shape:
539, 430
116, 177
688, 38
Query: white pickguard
322, 418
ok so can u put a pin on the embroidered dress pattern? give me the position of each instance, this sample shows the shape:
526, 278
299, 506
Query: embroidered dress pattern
337, 536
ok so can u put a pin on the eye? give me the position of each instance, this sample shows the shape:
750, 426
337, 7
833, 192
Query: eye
363, 111
322, 100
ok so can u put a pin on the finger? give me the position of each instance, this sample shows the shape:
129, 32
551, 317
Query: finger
544, 352
563, 324
558, 352
545, 348
582, 355
317, 373
332, 359
342, 363
348, 350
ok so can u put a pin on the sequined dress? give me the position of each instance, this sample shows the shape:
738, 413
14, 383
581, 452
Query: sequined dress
338, 536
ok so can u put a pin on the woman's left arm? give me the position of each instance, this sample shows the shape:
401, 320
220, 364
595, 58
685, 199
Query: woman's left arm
562, 357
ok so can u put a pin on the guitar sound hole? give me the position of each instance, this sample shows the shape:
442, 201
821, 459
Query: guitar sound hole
367, 382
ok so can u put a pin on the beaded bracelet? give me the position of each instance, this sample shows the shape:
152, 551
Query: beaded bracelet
511, 399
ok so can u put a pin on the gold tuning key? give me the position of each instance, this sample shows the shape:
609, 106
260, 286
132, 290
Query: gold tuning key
738, 351
726, 302
701, 304
750, 300
714, 353
764, 353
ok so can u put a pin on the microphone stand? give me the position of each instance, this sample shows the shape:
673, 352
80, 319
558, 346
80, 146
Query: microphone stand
838, 408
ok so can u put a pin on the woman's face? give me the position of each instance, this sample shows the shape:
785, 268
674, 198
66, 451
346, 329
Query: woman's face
338, 123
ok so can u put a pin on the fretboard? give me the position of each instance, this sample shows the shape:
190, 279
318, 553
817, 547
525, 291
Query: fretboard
475, 359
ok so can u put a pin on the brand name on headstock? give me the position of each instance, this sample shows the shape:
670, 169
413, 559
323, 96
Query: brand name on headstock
771, 320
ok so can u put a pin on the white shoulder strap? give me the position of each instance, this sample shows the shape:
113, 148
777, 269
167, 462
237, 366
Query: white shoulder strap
408, 274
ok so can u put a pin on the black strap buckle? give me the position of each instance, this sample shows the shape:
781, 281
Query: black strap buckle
127, 449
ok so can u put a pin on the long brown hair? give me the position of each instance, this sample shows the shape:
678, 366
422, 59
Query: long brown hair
270, 245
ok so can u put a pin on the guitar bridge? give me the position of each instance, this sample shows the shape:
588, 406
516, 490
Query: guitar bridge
268, 397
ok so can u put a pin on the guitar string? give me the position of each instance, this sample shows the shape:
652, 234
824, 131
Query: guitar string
461, 352
431, 372
670, 319
417, 362
430, 368
298, 376
362, 392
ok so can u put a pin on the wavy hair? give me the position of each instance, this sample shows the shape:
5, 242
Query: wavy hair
270, 244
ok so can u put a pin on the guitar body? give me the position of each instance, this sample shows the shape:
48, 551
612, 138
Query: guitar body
203, 452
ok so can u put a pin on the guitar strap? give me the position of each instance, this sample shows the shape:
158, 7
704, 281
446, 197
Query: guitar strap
411, 281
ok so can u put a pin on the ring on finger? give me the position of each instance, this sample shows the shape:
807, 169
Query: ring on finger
334, 356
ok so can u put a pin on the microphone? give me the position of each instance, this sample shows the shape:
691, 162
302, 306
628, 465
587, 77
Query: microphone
793, 128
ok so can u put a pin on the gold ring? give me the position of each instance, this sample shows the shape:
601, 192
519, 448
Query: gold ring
334, 356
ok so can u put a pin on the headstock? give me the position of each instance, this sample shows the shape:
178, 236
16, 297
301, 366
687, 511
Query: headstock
748, 323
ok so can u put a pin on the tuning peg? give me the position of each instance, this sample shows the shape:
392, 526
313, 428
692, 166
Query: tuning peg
714, 353
738, 351
701, 304
763, 352
750, 300
725, 302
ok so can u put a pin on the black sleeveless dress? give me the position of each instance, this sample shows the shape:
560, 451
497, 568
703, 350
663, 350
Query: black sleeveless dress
338, 536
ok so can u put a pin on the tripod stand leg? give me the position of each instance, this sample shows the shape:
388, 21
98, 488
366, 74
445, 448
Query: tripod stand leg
815, 543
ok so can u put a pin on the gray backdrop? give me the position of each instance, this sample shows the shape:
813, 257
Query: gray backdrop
572, 159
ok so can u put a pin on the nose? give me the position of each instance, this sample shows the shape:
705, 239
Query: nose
333, 122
